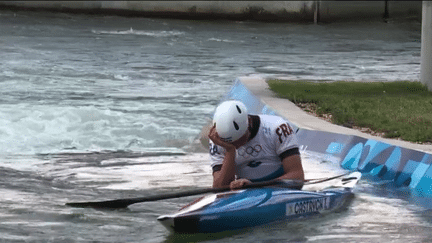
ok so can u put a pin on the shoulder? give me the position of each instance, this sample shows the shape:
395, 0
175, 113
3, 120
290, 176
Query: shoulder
276, 127
217, 154
215, 149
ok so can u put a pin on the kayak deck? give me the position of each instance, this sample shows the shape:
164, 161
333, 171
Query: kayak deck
252, 207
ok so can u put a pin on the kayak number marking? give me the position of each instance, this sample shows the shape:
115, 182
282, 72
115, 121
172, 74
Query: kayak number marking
308, 206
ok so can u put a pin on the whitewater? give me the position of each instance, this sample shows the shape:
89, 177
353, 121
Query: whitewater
105, 107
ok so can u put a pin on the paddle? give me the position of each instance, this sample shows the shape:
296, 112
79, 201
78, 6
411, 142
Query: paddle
123, 203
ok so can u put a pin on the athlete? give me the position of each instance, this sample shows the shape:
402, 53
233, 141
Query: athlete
248, 148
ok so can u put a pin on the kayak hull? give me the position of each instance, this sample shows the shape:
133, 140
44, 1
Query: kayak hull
253, 207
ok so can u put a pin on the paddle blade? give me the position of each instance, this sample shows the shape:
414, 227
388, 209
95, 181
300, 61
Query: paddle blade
123, 203
112, 204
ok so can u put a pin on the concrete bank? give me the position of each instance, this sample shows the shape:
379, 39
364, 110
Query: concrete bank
286, 11
296, 115
405, 165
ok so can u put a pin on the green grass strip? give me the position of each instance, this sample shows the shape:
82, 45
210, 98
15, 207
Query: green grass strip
401, 109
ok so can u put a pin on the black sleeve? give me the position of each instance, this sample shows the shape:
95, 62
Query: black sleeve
288, 153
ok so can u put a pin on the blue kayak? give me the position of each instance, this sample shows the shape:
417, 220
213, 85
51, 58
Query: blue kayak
253, 207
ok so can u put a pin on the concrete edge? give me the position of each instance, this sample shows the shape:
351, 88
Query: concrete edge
259, 87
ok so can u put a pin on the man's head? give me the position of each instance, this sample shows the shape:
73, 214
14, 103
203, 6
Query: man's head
231, 120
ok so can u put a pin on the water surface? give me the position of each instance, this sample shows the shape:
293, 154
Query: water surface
106, 107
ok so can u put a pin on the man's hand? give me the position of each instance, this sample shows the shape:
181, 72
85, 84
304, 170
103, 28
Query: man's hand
213, 135
237, 184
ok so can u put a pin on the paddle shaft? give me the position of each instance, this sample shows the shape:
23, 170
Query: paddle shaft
123, 203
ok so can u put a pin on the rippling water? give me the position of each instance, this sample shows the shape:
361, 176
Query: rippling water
95, 108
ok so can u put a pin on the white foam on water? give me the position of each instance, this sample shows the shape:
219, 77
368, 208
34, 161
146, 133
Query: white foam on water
163, 171
135, 173
131, 31
44, 129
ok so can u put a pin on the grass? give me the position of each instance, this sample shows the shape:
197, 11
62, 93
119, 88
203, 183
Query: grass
401, 109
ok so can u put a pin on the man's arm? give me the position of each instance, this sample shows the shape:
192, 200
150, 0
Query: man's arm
293, 168
226, 174
287, 148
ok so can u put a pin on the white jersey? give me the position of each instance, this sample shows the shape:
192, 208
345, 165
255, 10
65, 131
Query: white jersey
272, 139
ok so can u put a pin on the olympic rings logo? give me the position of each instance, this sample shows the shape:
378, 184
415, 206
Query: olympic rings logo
250, 151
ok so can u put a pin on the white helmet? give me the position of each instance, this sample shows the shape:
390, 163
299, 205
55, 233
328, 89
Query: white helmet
231, 120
